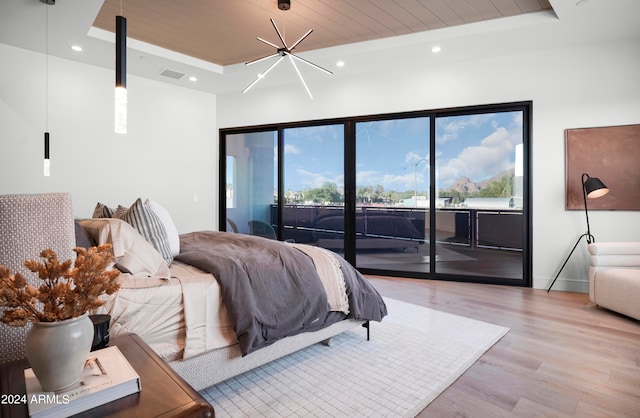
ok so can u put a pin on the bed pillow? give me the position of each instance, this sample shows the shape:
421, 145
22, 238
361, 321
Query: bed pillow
119, 212
102, 211
132, 252
172, 232
149, 226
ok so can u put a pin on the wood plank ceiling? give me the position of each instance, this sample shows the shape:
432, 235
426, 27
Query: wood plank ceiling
224, 31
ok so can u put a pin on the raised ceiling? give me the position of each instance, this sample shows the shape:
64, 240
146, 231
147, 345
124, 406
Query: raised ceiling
199, 38
224, 32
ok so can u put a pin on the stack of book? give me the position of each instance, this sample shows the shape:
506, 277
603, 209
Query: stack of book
107, 376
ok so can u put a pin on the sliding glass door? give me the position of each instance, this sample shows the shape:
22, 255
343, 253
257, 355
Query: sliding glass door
479, 168
313, 169
392, 194
435, 194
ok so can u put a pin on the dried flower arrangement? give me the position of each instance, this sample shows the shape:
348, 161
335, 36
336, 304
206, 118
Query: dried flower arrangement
67, 292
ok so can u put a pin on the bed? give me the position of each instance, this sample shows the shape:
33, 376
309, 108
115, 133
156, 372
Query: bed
216, 304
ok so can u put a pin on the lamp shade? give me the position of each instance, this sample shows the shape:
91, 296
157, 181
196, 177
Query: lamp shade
595, 188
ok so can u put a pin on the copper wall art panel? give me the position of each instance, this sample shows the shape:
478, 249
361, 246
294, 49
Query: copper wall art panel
611, 154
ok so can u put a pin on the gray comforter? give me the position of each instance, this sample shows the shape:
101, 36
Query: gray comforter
271, 289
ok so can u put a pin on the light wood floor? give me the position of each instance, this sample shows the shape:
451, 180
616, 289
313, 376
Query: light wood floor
563, 357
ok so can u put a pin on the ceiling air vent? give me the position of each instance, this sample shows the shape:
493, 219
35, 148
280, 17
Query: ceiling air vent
172, 74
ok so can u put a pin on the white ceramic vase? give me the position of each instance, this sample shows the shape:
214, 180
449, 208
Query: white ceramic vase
57, 351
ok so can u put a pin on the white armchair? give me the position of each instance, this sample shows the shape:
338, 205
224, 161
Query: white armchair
614, 276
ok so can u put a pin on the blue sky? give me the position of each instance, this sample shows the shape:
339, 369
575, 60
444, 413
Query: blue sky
391, 153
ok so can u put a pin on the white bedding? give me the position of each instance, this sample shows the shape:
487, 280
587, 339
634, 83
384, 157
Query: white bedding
331, 276
153, 312
179, 318
206, 320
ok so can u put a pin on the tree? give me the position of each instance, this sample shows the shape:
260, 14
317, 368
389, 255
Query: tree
328, 193
499, 188
364, 195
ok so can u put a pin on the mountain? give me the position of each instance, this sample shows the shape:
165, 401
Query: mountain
466, 185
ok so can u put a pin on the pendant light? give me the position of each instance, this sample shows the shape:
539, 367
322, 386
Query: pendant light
47, 161
121, 75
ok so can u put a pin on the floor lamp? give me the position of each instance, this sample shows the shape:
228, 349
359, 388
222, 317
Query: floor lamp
592, 188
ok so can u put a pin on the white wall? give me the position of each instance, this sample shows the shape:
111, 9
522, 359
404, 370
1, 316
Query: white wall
169, 153
581, 86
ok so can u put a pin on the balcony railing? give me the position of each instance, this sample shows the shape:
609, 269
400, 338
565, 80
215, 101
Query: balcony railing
472, 227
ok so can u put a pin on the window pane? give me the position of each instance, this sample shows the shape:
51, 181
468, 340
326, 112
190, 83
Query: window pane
231, 176
314, 185
251, 178
392, 194
479, 172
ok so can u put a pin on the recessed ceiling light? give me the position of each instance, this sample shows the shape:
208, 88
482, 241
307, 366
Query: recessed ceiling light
76, 48
436, 49
340, 64
193, 78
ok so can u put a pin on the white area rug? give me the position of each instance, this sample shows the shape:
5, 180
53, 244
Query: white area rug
414, 354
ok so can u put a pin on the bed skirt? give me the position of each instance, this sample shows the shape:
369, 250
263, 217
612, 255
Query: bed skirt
218, 365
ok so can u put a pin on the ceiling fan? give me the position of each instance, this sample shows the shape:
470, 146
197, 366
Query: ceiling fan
283, 52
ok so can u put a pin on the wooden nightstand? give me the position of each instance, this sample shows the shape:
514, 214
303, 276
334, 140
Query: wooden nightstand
163, 393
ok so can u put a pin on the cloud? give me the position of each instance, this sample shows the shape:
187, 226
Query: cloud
449, 129
407, 181
291, 149
495, 153
310, 179
366, 177
412, 158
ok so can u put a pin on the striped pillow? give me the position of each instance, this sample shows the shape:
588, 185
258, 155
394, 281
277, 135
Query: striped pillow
150, 227
172, 232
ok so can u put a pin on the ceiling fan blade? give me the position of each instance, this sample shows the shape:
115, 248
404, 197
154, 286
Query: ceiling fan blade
262, 75
279, 34
301, 39
300, 75
309, 63
268, 43
261, 59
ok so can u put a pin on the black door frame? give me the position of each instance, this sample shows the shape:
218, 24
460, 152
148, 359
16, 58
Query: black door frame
350, 183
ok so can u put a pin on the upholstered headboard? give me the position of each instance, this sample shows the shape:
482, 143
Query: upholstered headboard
28, 225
